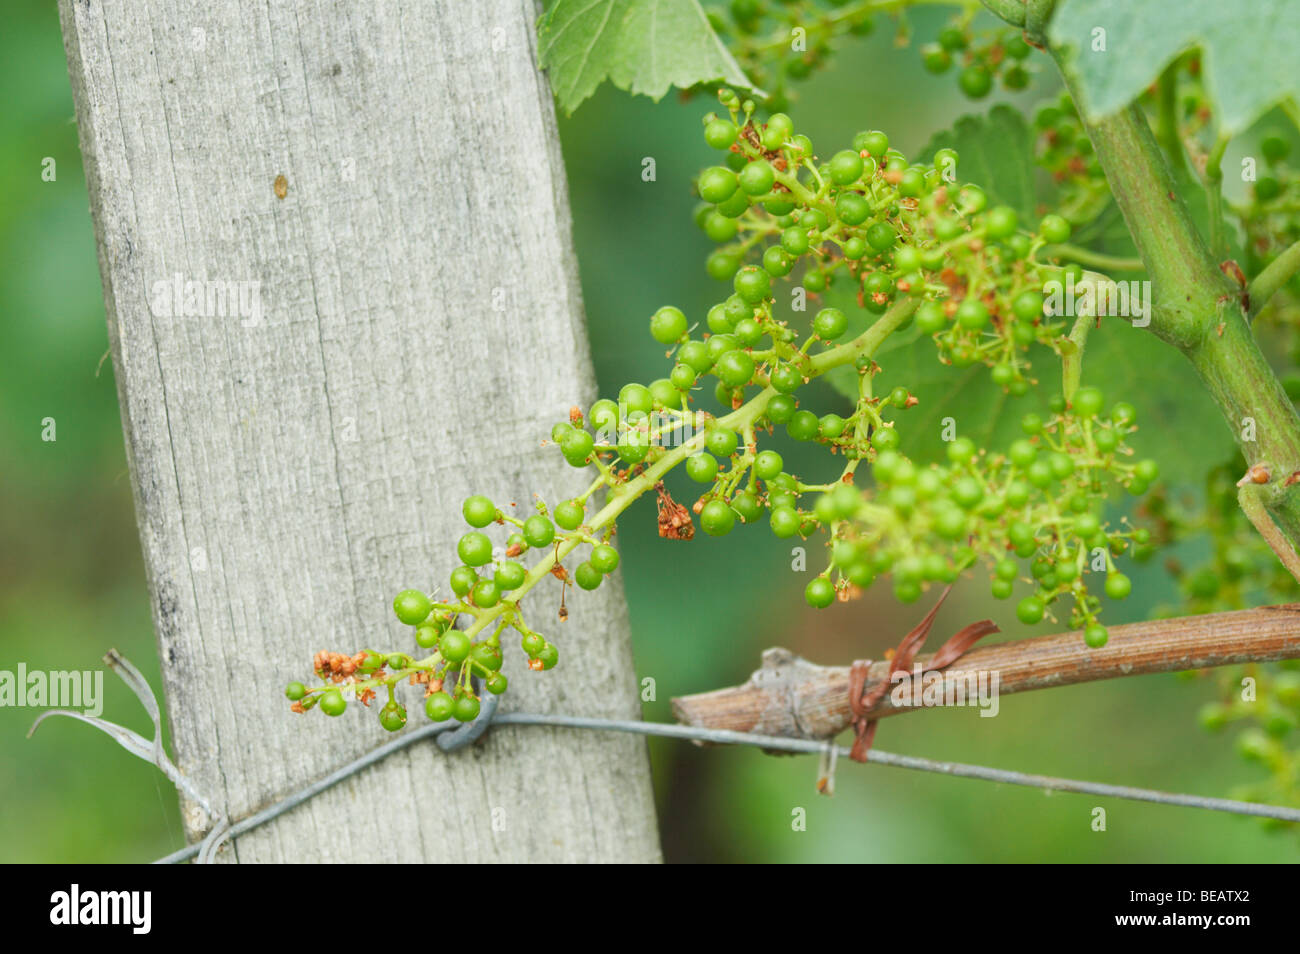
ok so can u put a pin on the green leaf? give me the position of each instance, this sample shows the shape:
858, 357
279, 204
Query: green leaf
996, 153
1248, 51
642, 46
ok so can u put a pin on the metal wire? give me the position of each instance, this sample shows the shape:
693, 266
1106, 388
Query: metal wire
727, 737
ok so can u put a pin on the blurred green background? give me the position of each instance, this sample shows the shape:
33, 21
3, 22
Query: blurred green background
72, 584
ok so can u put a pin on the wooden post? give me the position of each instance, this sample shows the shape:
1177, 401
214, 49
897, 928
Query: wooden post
379, 191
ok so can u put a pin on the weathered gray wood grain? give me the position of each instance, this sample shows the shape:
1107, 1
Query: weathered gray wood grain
419, 292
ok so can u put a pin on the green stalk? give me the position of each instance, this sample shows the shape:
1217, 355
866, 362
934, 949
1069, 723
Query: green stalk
1197, 309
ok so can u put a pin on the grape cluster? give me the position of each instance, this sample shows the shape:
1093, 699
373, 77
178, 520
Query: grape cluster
485, 589
984, 57
918, 249
1065, 152
776, 41
885, 227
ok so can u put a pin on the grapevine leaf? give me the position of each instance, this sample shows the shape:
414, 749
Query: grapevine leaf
642, 46
996, 152
1248, 51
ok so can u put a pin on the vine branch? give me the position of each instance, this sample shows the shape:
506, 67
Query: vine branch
790, 696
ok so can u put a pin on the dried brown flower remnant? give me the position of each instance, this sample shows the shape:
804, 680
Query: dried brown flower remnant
281, 186
674, 519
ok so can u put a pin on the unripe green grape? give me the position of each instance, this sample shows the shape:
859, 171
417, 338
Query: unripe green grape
935, 58
695, 355
753, 284
786, 378
701, 468
1118, 586
975, 81
717, 184
665, 393
1267, 189
719, 228
510, 575
803, 426
549, 656
735, 368
1087, 402
735, 161
734, 207
427, 635
1030, 610
912, 183
781, 408
972, 314
438, 706
777, 262
454, 646
560, 430
465, 708
971, 199
930, 317
854, 247
795, 240
1002, 589
718, 345
758, 177
636, 399
478, 511
907, 259
603, 415
538, 531
1147, 470
1054, 229
967, 493
881, 236
668, 325
1015, 77
486, 594
720, 133
830, 426
768, 464
587, 576
874, 142
1095, 636
950, 523
746, 506
779, 128
496, 683
726, 395
1124, 414
1022, 453
961, 450
463, 579
604, 558
718, 320
1062, 465
1000, 222
413, 607
885, 438
332, 702
569, 515
577, 447
295, 691
829, 324
846, 167
814, 281
682, 377
1028, 306
722, 442
392, 716
784, 522
852, 209
819, 593
474, 549
716, 518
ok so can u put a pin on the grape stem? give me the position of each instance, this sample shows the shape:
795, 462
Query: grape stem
1274, 276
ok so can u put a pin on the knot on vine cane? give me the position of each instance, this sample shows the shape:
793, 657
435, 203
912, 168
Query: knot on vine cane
862, 702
